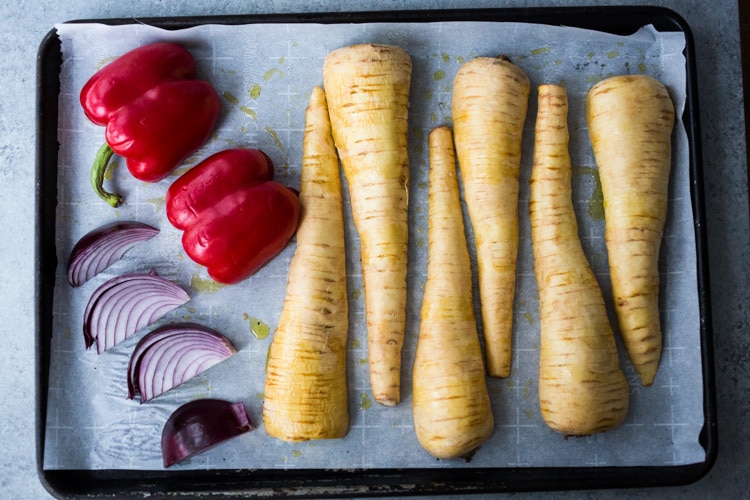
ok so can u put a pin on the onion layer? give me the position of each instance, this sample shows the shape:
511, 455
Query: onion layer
173, 354
200, 425
101, 247
125, 304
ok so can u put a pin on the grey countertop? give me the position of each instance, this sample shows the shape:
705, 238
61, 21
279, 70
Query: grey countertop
715, 27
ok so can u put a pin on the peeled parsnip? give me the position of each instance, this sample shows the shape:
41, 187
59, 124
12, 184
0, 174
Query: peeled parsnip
451, 405
490, 99
368, 95
306, 387
630, 120
582, 389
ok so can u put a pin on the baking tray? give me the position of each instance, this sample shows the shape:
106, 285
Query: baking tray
362, 482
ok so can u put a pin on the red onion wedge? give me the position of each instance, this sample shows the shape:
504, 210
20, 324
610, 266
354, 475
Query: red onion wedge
125, 304
173, 354
200, 425
101, 247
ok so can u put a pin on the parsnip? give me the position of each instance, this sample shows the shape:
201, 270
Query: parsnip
630, 121
582, 389
306, 387
490, 100
368, 94
451, 405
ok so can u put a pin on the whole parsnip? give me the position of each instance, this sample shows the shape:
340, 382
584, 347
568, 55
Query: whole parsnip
306, 387
490, 100
630, 120
451, 405
582, 389
368, 96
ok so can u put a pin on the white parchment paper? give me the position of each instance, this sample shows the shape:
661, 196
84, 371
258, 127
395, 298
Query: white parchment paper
265, 74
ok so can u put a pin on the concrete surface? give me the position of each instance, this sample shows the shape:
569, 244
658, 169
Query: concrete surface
715, 27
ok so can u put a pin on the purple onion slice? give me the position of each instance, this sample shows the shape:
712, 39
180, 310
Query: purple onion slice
172, 354
200, 425
125, 304
100, 248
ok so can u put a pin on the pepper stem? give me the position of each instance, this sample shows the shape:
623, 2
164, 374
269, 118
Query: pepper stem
97, 176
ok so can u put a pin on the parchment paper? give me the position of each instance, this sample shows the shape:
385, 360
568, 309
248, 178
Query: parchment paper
265, 74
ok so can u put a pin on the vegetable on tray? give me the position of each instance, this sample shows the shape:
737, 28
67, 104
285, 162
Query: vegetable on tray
155, 112
630, 120
490, 100
125, 304
172, 354
582, 389
451, 405
235, 218
200, 425
367, 87
101, 247
306, 387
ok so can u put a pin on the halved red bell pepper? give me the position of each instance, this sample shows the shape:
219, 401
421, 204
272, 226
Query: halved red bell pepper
155, 112
234, 216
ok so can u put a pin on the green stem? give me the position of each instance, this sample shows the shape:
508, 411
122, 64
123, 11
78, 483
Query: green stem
97, 176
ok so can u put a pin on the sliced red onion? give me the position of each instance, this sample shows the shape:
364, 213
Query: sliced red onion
200, 425
173, 354
101, 247
125, 304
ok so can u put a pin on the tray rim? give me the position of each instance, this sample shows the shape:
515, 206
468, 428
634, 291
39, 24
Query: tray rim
373, 482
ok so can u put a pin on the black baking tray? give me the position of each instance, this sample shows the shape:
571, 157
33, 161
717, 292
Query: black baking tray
366, 482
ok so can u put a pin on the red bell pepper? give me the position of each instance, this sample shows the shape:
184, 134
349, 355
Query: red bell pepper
155, 112
234, 216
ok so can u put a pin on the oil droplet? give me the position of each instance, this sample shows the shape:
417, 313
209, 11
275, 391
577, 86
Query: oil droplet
419, 148
356, 343
428, 94
281, 60
593, 78
433, 117
446, 57
365, 402
296, 453
418, 132
438, 75
269, 74
641, 68
204, 285
420, 243
527, 389
230, 97
558, 62
596, 202
363, 361
67, 332
254, 91
260, 396
259, 328
460, 59
275, 137
540, 50
422, 185
181, 170
529, 317
356, 294
110, 170
590, 55
249, 112
105, 61
612, 54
